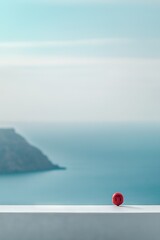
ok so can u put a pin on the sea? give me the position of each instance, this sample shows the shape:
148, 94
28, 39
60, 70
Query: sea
100, 159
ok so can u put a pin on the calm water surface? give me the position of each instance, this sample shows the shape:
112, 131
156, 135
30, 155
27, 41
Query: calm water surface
100, 160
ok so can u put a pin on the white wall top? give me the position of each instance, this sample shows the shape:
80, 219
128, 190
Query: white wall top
79, 209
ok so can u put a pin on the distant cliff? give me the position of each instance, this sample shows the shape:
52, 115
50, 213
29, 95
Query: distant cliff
17, 155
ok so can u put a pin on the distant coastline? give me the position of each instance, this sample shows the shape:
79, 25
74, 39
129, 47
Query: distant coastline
18, 156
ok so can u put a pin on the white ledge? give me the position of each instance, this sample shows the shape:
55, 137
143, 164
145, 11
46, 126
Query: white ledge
79, 209
85, 222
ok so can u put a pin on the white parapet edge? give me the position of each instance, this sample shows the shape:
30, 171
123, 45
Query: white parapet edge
79, 209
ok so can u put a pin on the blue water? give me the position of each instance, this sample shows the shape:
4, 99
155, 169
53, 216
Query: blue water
100, 158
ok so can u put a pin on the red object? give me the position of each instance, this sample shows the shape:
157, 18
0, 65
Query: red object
117, 198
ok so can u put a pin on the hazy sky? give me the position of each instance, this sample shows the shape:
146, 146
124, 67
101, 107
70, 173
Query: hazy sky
80, 60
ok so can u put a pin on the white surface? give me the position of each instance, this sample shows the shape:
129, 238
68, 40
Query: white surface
134, 222
79, 209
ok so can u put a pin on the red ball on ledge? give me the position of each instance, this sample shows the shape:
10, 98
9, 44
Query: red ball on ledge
117, 198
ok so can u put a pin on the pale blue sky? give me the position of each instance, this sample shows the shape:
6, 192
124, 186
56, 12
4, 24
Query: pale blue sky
44, 21
79, 60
